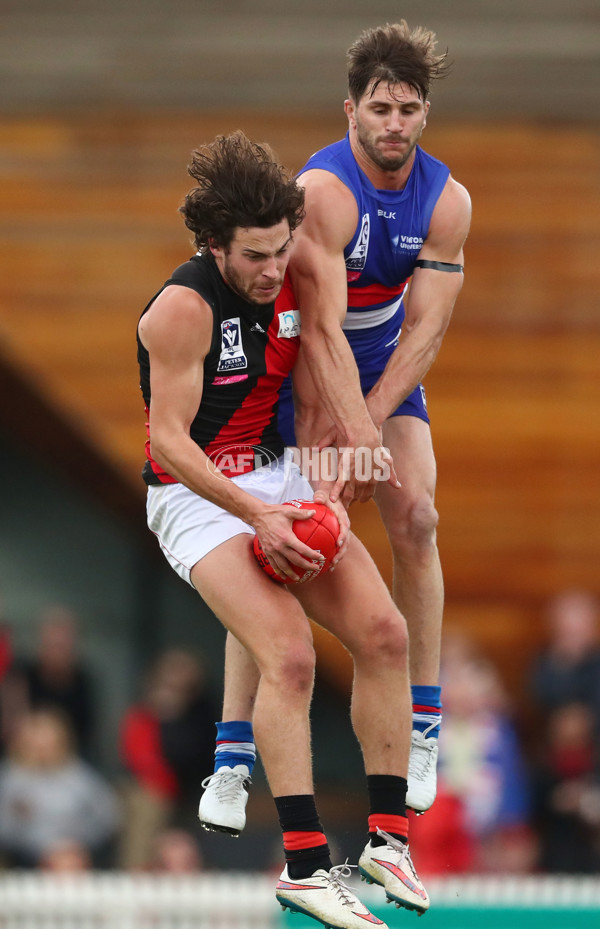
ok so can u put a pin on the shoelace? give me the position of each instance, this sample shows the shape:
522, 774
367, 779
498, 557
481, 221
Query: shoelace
427, 718
420, 761
342, 890
398, 846
226, 785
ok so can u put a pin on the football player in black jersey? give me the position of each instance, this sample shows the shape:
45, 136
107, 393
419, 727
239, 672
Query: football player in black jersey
215, 327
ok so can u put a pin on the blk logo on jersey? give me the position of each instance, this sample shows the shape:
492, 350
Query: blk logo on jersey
289, 324
232, 350
355, 262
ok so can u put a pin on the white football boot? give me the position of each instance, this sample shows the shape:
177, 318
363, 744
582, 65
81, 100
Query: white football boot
390, 866
422, 770
223, 803
326, 898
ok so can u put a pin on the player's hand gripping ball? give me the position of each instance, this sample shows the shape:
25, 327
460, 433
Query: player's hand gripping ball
320, 533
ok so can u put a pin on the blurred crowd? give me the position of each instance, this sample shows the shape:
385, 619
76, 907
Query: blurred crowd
58, 810
519, 787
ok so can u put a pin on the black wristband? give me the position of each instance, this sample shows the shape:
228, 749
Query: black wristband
438, 266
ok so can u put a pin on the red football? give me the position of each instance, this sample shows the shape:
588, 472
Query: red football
320, 532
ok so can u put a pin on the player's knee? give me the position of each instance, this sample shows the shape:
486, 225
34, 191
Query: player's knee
415, 531
385, 639
296, 667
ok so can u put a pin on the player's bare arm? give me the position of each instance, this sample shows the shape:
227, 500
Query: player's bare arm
310, 419
177, 333
431, 298
318, 273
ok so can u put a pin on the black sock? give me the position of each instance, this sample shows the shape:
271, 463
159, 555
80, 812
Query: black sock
387, 796
304, 842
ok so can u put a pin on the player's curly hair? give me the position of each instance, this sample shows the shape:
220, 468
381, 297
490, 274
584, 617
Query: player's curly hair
395, 55
240, 183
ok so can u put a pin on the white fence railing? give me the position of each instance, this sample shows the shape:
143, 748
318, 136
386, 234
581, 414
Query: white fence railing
235, 901
118, 901
524, 891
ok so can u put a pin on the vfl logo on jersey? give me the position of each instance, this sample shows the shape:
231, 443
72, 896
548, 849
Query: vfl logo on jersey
355, 262
232, 351
289, 324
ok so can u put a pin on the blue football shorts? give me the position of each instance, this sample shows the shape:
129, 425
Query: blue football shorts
371, 349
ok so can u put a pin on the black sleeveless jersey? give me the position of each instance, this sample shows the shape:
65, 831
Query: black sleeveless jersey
252, 350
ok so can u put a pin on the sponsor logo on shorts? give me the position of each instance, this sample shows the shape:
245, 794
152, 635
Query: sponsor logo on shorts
232, 350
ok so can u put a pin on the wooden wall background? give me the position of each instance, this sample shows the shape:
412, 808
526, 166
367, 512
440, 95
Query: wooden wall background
89, 230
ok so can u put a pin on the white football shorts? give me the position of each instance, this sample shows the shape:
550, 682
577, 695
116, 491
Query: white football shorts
188, 527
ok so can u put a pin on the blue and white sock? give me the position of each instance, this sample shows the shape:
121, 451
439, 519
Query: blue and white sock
235, 745
427, 709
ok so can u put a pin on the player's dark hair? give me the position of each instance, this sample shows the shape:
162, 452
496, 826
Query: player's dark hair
240, 183
395, 55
